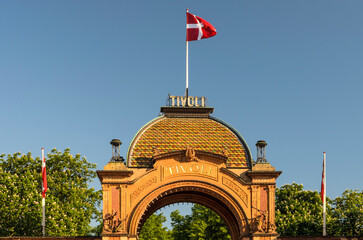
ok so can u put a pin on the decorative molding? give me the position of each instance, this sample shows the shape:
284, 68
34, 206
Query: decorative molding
239, 191
260, 174
113, 173
197, 153
142, 187
232, 174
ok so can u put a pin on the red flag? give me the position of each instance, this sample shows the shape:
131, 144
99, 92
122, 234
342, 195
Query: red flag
322, 192
198, 28
44, 175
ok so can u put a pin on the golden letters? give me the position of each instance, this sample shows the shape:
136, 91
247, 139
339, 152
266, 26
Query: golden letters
177, 101
190, 168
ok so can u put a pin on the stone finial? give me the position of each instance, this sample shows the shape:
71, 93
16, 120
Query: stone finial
261, 151
116, 143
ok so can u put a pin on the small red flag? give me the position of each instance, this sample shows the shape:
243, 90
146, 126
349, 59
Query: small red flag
322, 192
44, 175
198, 28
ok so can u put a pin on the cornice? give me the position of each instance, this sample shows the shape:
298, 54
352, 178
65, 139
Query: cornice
274, 174
114, 173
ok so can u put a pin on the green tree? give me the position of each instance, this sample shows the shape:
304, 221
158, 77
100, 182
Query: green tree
348, 213
181, 225
213, 224
153, 229
299, 212
70, 203
202, 224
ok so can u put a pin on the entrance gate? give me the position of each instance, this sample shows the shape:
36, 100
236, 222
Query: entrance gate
188, 156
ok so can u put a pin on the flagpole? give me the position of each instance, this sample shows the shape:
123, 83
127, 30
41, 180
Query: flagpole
43, 197
187, 67
324, 200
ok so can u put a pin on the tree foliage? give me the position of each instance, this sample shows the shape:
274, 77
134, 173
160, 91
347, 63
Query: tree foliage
298, 212
181, 225
153, 228
70, 203
348, 213
202, 224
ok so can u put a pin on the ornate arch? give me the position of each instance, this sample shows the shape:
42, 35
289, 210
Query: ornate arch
188, 156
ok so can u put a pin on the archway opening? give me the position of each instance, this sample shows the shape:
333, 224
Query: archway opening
207, 200
182, 221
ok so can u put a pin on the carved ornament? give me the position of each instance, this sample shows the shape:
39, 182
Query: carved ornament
225, 152
259, 224
190, 155
156, 151
110, 224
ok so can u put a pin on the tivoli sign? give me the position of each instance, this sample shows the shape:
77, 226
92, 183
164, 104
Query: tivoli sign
178, 101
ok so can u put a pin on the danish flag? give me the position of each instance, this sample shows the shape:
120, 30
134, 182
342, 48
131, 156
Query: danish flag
198, 28
44, 175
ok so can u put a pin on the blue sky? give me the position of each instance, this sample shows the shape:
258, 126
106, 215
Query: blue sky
80, 73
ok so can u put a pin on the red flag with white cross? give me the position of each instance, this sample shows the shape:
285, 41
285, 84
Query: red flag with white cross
198, 28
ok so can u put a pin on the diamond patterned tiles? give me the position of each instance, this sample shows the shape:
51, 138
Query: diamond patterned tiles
173, 134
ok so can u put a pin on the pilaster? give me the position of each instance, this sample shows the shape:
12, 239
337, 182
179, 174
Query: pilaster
271, 208
123, 207
255, 202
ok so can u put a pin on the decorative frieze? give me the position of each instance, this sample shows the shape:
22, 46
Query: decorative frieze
239, 191
143, 187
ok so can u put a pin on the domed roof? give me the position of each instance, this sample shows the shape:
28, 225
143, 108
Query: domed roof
177, 130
